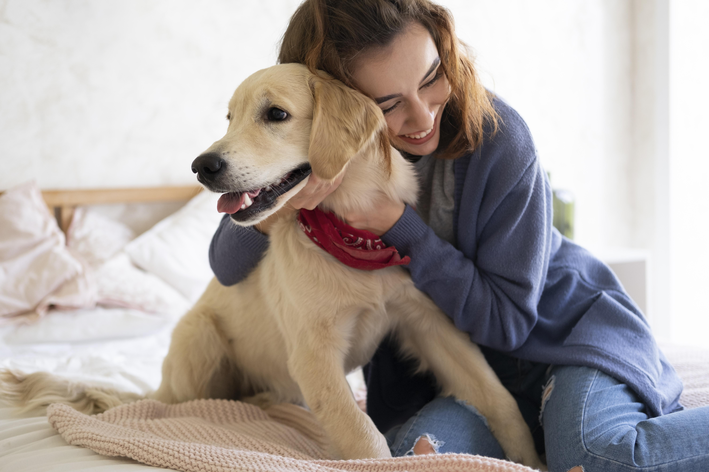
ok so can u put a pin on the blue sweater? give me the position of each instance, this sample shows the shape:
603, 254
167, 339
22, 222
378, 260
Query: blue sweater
513, 282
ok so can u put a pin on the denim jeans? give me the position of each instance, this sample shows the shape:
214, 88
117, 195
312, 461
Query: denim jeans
589, 419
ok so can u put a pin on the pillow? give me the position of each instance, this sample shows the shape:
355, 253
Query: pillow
177, 248
96, 238
121, 284
77, 292
98, 241
34, 261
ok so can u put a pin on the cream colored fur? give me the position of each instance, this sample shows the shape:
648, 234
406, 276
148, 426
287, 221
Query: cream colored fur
301, 321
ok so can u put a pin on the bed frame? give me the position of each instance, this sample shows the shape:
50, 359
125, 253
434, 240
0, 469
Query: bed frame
63, 202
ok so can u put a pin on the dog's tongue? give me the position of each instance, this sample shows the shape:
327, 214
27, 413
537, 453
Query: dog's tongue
232, 202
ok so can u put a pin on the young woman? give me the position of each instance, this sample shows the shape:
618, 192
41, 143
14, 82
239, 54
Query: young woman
553, 321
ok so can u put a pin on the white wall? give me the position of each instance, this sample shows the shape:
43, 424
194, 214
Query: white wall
123, 93
650, 156
689, 171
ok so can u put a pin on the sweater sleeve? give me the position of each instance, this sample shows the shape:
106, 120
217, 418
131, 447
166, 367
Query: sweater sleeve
235, 251
490, 284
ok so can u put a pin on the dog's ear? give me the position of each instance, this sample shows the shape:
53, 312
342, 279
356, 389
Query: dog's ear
344, 120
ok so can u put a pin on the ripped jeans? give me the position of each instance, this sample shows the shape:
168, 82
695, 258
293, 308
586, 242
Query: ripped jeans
451, 426
589, 419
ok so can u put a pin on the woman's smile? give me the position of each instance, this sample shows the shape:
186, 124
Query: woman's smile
421, 137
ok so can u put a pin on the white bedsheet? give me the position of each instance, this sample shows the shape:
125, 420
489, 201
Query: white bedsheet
120, 348
32, 445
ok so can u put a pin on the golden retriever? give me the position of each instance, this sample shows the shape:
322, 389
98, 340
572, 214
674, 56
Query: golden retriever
293, 329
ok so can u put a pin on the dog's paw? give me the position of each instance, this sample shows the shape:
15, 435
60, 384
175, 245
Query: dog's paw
375, 447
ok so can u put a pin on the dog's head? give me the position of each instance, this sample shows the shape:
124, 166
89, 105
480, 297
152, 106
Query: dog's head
284, 123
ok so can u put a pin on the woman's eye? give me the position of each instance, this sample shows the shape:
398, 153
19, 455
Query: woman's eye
391, 108
276, 114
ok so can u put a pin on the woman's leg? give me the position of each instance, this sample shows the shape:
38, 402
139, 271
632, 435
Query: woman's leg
594, 421
449, 425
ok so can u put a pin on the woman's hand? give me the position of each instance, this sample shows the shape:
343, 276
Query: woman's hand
314, 192
308, 197
381, 220
378, 222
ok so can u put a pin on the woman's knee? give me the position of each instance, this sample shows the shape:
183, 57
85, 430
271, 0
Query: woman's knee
446, 425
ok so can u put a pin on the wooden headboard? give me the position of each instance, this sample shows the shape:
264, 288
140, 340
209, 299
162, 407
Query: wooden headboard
63, 202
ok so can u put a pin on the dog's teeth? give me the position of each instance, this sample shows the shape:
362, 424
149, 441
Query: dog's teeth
247, 201
268, 189
243, 207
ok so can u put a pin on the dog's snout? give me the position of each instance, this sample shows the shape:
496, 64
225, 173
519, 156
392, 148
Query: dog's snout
208, 165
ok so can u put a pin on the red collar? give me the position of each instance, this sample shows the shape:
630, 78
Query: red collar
353, 247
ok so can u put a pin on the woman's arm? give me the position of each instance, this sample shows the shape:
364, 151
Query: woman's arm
491, 283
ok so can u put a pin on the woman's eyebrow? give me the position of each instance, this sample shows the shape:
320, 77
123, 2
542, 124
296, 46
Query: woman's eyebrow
386, 98
435, 63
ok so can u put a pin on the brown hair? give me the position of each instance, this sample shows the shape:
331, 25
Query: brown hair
330, 34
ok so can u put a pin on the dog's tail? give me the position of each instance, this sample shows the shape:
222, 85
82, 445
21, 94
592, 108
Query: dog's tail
35, 392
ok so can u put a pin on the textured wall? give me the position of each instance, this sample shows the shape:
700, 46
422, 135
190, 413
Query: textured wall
127, 93
123, 93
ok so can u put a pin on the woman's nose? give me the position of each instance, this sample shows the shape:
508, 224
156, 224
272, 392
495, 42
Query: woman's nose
421, 118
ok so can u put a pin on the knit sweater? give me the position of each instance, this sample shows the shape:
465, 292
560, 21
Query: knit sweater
512, 282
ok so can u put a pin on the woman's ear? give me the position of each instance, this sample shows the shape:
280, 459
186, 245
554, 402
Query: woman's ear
344, 121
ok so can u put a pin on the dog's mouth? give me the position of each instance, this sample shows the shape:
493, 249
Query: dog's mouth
242, 206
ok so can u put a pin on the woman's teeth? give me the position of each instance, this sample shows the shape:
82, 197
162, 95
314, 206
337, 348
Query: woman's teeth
420, 135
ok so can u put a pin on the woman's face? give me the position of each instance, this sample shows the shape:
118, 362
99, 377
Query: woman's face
408, 84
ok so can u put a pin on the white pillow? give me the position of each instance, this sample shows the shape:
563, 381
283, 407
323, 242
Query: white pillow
177, 248
34, 261
121, 284
96, 238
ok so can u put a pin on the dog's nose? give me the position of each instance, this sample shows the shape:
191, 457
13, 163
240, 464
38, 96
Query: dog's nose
208, 165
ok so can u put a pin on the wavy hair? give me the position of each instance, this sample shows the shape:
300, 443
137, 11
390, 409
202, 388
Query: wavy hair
330, 34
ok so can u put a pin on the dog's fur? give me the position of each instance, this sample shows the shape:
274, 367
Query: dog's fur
301, 320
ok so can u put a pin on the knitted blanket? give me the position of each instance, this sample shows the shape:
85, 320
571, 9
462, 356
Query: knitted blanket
221, 435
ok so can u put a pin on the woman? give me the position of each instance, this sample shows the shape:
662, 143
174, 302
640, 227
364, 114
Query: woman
553, 322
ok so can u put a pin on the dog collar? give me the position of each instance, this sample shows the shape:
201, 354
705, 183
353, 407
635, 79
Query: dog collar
356, 248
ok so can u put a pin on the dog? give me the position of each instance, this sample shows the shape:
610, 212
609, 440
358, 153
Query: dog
301, 320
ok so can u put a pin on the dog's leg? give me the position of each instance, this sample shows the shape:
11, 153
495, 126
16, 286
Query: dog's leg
197, 352
462, 371
316, 363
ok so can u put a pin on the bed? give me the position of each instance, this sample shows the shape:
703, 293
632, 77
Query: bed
103, 298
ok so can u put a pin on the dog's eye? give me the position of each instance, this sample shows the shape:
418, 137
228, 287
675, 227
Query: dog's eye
228, 116
276, 114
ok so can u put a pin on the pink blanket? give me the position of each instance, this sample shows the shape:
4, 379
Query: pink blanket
221, 435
